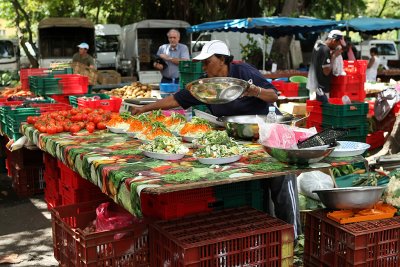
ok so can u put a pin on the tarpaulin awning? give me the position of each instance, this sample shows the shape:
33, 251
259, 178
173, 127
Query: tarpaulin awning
370, 26
271, 26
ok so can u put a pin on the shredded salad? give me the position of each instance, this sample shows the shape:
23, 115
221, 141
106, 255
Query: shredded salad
195, 128
165, 145
217, 144
214, 137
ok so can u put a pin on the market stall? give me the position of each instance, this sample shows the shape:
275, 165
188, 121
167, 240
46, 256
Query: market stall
114, 163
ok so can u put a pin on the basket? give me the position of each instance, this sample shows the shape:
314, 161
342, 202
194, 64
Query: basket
325, 137
27, 181
232, 237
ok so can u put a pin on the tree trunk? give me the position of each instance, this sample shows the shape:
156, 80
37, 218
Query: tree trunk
281, 46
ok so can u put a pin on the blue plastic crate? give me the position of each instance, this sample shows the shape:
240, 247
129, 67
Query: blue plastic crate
169, 87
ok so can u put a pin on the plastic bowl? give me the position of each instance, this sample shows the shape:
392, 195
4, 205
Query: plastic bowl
364, 197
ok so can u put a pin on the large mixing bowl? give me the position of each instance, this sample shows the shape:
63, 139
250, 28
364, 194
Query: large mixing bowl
245, 127
303, 156
217, 90
364, 197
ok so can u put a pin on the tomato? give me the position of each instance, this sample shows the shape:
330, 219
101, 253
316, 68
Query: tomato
32, 119
97, 119
59, 128
67, 125
74, 111
42, 128
101, 125
90, 128
75, 128
51, 129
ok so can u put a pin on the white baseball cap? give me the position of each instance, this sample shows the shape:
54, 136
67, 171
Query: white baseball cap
337, 35
83, 45
211, 48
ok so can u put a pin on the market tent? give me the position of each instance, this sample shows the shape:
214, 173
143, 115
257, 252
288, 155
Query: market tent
370, 26
270, 26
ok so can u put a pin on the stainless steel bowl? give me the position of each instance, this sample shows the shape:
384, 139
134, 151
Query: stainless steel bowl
246, 127
299, 156
364, 197
217, 90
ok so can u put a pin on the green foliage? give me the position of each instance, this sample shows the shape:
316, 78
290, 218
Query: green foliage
9, 78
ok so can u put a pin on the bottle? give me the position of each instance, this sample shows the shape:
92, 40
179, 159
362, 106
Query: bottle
271, 117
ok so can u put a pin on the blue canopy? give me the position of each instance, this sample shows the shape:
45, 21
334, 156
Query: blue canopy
271, 26
371, 26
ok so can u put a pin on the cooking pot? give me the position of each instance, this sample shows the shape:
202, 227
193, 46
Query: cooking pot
246, 127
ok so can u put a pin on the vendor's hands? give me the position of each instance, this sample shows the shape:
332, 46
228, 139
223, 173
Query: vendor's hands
137, 110
252, 91
158, 66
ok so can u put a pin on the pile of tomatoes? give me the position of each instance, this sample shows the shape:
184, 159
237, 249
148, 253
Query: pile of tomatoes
72, 120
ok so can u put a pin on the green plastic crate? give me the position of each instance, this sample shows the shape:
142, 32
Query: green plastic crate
62, 71
46, 85
341, 122
73, 99
190, 66
303, 92
249, 193
361, 130
354, 109
187, 77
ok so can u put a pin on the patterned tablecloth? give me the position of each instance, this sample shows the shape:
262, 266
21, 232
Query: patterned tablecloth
115, 164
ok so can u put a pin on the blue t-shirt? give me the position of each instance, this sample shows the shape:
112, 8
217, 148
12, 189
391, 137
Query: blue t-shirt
243, 105
180, 51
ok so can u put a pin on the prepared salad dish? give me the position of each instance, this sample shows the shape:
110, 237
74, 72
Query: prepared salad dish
138, 124
119, 121
156, 115
195, 128
214, 137
156, 129
175, 122
166, 145
219, 151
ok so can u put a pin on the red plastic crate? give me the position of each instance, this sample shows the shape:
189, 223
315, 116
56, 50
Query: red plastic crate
112, 104
27, 181
50, 107
75, 246
290, 89
25, 157
72, 179
73, 196
73, 83
25, 73
51, 168
177, 204
231, 237
375, 139
372, 243
61, 98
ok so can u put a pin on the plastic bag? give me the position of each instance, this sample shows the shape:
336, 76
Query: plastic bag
281, 135
307, 182
110, 217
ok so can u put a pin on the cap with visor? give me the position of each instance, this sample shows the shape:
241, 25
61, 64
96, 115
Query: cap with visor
211, 48
337, 35
83, 45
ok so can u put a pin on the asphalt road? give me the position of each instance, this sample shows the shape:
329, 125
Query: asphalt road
25, 228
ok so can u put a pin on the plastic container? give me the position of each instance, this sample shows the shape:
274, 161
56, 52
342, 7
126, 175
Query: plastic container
271, 116
177, 204
190, 66
373, 243
113, 104
74, 246
72, 179
27, 180
232, 237
169, 87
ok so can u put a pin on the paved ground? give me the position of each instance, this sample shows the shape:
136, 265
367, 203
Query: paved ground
25, 228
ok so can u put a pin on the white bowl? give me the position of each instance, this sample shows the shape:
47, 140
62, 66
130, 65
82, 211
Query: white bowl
116, 129
349, 149
224, 160
163, 156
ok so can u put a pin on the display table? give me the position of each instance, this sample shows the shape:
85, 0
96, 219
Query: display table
114, 163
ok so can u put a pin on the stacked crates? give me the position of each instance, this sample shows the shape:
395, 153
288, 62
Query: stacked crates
26, 170
231, 237
288, 89
302, 81
76, 243
370, 243
75, 189
352, 84
189, 71
52, 178
25, 73
350, 116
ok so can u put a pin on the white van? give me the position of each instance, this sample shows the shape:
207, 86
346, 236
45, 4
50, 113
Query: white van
387, 50
107, 38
